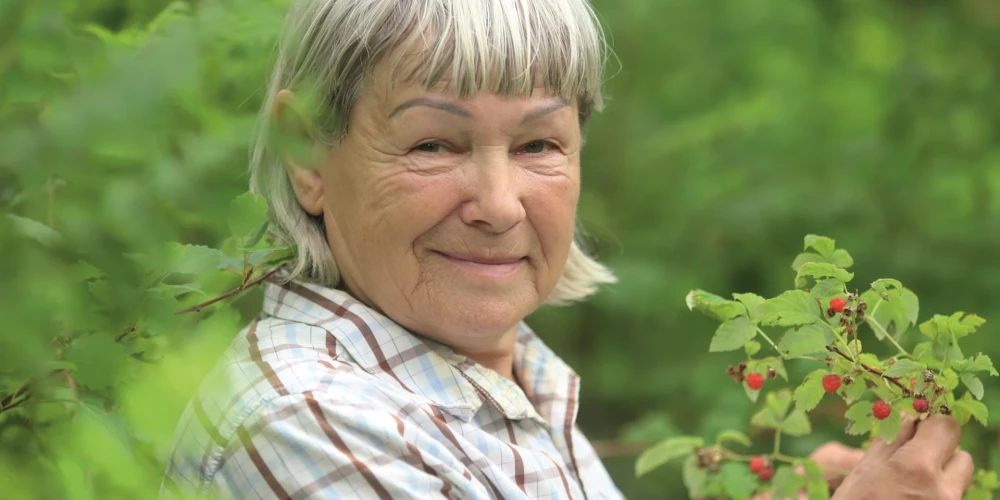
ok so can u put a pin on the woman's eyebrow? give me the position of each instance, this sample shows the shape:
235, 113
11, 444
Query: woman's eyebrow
432, 103
544, 110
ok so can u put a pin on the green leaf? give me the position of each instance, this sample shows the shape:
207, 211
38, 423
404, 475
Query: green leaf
765, 418
859, 417
824, 270
787, 484
737, 480
966, 407
981, 363
841, 258
772, 415
732, 436
257, 235
791, 308
98, 359
870, 360
246, 213
806, 257
827, 289
34, 230
732, 334
694, 477
808, 339
713, 306
821, 244
751, 348
796, 424
974, 384
808, 394
854, 391
894, 316
888, 429
665, 451
751, 301
817, 488
948, 379
904, 366
761, 366
882, 286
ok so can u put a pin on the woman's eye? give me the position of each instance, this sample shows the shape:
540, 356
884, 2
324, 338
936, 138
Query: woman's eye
536, 147
430, 147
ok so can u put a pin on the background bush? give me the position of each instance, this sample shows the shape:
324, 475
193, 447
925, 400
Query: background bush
733, 128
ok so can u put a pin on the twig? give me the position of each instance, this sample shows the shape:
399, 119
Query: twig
869, 369
230, 293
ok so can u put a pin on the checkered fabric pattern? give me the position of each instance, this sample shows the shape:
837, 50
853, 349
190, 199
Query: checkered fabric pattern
323, 397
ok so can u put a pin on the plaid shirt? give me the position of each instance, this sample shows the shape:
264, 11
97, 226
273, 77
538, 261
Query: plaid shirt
323, 397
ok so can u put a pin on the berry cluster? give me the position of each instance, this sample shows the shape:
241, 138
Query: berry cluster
848, 315
764, 470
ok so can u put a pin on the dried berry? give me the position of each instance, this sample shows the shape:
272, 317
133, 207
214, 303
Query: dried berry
847, 380
771, 373
945, 410
928, 376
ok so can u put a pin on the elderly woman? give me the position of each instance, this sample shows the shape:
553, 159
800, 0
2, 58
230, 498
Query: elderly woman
433, 209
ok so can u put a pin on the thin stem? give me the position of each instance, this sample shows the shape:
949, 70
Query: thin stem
230, 293
875, 325
768, 339
777, 442
869, 369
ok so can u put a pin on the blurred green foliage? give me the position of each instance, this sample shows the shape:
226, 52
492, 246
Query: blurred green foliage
732, 129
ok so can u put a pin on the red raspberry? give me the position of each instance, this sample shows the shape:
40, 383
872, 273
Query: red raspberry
881, 410
766, 473
831, 382
755, 381
920, 405
837, 304
756, 464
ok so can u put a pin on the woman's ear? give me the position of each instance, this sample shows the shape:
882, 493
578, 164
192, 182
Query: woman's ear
295, 143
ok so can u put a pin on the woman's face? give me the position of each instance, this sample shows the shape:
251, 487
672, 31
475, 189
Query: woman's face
453, 216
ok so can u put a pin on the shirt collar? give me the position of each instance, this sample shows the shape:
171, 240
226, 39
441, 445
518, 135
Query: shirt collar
454, 383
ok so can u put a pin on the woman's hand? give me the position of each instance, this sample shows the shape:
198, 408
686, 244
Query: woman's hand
922, 462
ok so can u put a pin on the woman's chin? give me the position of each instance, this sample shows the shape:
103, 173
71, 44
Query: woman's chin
480, 317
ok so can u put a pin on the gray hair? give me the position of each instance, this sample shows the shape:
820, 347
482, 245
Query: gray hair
498, 46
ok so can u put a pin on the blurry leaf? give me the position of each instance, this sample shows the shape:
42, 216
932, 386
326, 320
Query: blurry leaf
974, 384
824, 270
246, 215
713, 306
888, 429
808, 394
817, 487
98, 359
981, 363
751, 348
895, 315
804, 258
796, 424
36, 231
808, 339
841, 258
821, 244
904, 366
737, 480
665, 451
827, 289
791, 308
198, 259
694, 477
859, 417
786, 484
968, 407
732, 334
654, 426
751, 301
732, 436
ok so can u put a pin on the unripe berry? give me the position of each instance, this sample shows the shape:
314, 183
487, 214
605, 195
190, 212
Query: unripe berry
881, 410
921, 405
837, 304
766, 474
755, 381
831, 382
757, 464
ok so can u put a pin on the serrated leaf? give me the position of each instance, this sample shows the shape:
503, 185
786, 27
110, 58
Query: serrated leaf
257, 235
819, 270
870, 360
751, 348
904, 366
751, 301
854, 391
841, 258
821, 244
792, 308
883, 285
752, 395
817, 487
737, 480
827, 289
796, 424
966, 407
733, 436
732, 334
805, 257
894, 316
786, 484
948, 379
810, 392
712, 305
859, 418
665, 451
981, 363
888, 429
246, 213
974, 385
808, 339
98, 359
765, 418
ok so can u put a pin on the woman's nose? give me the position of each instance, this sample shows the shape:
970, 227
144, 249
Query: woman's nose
494, 201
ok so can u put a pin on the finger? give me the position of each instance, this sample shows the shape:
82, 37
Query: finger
958, 472
880, 450
938, 436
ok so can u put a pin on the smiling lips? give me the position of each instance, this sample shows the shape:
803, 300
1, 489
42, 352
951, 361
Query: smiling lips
485, 266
